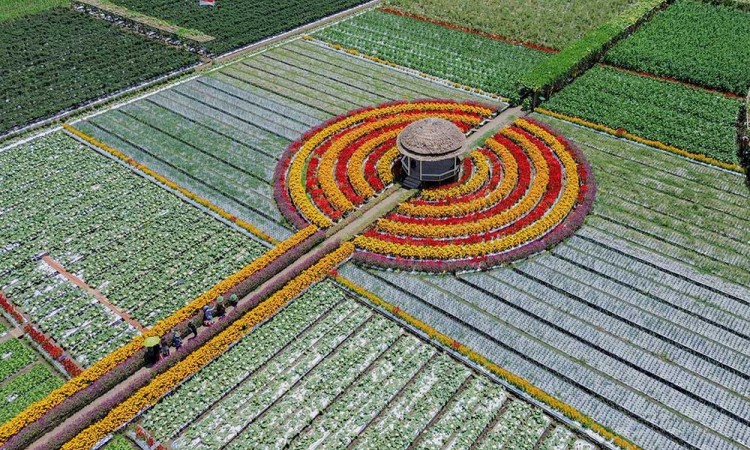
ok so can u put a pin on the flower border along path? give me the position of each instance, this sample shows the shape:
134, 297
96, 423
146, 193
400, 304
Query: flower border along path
164, 383
123, 362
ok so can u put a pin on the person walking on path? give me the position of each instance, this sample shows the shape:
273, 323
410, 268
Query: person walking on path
176, 340
208, 316
220, 309
193, 329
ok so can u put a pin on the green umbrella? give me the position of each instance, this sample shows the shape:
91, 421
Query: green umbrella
152, 341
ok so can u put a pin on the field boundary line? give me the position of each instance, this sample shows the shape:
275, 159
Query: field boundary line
695, 157
403, 69
465, 29
97, 295
194, 198
559, 410
673, 80
164, 383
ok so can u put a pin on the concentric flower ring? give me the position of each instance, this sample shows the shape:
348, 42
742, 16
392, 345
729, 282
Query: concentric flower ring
524, 191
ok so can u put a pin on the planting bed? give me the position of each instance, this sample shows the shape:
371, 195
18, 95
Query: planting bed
328, 372
695, 41
552, 23
638, 321
58, 59
688, 118
141, 247
239, 22
222, 135
491, 65
24, 377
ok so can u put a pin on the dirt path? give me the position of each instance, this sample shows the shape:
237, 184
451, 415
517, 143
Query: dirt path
97, 295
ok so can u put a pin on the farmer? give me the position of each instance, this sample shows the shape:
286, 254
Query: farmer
208, 316
233, 301
193, 329
176, 340
220, 309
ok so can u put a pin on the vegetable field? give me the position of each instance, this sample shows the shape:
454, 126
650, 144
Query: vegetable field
14, 9
672, 113
639, 320
222, 135
491, 65
144, 249
328, 372
552, 23
239, 22
59, 59
694, 41
24, 377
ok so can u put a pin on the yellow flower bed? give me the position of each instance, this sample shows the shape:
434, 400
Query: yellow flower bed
356, 165
297, 186
510, 178
479, 178
642, 140
162, 384
536, 192
504, 374
385, 166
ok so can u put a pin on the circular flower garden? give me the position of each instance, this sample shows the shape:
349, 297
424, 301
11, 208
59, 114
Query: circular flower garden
523, 191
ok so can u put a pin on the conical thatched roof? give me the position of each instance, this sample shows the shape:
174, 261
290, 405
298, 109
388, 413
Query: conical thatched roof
431, 139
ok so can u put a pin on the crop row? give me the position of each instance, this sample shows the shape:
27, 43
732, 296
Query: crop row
240, 22
135, 249
549, 23
326, 371
26, 388
687, 118
200, 134
59, 58
694, 41
492, 65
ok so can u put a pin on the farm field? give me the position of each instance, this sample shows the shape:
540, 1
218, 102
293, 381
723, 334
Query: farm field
240, 22
580, 281
638, 320
694, 41
329, 372
24, 376
144, 249
551, 23
221, 135
44, 70
491, 65
678, 115
13, 9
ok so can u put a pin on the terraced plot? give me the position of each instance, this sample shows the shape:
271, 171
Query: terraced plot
328, 372
24, 377
639, 321
144, 249
222, 135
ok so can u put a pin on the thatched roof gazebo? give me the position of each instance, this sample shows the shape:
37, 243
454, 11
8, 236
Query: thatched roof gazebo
430, 151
